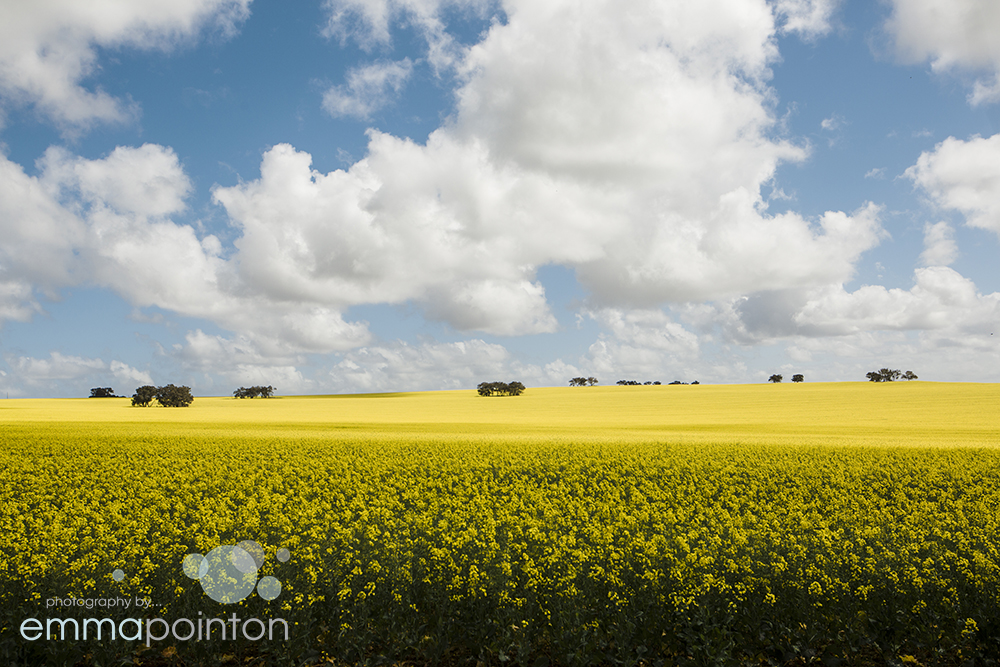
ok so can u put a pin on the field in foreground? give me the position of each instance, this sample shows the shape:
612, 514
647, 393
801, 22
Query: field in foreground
600, 525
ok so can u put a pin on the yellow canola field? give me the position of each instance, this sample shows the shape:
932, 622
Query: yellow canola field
683, 524
845, 413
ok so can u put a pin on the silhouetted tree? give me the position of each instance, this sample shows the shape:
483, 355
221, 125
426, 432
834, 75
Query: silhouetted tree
144, 395
103, 392
909, 375
591, 381
500, 389
578, 382
628, 382
884, 375
775, 378
656, 382
798, 377
254, 392
695, 382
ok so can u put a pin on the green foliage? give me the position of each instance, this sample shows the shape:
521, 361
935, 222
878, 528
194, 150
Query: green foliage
254, 392
174, 397
169, 396
144, 395
500, 388
889, 375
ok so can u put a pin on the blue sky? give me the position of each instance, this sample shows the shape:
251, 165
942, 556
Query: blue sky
380, 195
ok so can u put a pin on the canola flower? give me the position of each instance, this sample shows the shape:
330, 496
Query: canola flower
578, 525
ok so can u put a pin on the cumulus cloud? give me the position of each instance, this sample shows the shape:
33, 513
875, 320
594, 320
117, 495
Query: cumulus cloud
125, 373
941, 298
809, 18
640, 342
940, 248
48, 48
239, 361
954, 35
401, 366
107, 222
68, 374
965, 176
370, 23
630, 147
57, 367
368, 89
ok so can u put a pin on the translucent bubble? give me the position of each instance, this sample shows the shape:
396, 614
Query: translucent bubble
222, 580
269, 588
283, 555
242, 560
194, 566
255, 550
118, 575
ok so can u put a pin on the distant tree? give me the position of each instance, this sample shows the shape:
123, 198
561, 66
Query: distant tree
174, 397
656, 382
798, 377
676, 382
144, 395
775, 378
103, 392
500, 389
591, 381
254, 392
909, 375
578, 382
884, 375
628, 382
695, 382
647, 382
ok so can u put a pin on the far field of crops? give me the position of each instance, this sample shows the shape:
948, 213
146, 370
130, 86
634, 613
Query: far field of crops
753, 524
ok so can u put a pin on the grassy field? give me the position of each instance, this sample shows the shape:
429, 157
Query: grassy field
753, 524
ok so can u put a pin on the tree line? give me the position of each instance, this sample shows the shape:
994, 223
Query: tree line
776, 378
168, 396
254, 392
889, 375
500, 388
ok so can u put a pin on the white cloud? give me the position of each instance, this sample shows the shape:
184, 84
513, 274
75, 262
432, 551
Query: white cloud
809, 18
875, 172
240, 362
940, 248
965, 176
402, 367
953, 35
370, 23
628, 146
57, 367
941, 299
48, 48
105, 222
832, 123
125, 373
368, 89
642, 345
